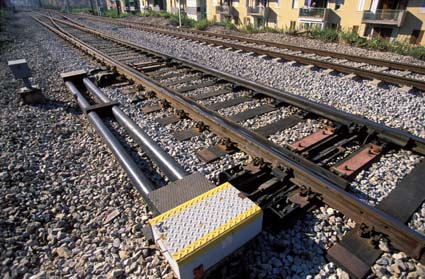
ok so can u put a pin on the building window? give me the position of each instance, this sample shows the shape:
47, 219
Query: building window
382, 32
292, 25
294, 4
338, 4
422, 8
416, 37
355, 29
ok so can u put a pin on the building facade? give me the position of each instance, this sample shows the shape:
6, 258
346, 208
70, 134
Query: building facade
394, 19
194, 9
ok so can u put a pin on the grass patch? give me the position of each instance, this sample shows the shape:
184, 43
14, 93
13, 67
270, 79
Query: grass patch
3, 13
375, 43
115, 14
79, 10
202, 24
251, 29
230, 25
326, 35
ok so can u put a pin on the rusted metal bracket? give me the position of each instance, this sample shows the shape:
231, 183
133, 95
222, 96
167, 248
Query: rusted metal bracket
357, 161
312, 139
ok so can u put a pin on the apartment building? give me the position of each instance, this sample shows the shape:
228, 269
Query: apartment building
393, 19
194, 9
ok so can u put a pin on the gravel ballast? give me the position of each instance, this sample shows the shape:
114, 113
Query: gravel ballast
67, 208
385, 105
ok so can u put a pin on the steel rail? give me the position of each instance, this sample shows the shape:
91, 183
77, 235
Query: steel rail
392, 135
166, 30
361, 59
402, 237
165, 162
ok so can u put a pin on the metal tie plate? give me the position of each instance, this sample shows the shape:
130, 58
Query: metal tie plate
312, 139
352, 164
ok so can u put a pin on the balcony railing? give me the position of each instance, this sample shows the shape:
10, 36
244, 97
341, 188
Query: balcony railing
223, 10
313, 13
388, 17
257, 11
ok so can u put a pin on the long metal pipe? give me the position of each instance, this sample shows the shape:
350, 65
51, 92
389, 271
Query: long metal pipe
139, 180
167, 164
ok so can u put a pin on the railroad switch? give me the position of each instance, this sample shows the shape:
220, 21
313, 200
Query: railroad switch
30, 94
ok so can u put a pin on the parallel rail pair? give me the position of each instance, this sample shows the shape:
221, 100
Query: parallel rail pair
257, 46
299, 171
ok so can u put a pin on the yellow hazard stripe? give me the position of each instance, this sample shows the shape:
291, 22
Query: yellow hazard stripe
189, 203
220, 232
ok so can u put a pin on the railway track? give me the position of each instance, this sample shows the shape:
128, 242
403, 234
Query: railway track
406, 75
286, 177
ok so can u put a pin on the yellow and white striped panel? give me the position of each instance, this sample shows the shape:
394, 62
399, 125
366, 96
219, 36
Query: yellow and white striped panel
191, 226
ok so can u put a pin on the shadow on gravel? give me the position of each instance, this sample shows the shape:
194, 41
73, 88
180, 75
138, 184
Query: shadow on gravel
68, 107
296, 251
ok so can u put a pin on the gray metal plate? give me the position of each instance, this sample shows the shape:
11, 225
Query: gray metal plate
178, 192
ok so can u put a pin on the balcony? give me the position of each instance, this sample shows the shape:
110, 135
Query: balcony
385, 17
313, 14
259, 11
223, 10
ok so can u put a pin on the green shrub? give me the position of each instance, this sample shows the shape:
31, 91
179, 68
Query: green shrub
186, 22
271, 29
418, 52
399, 47
114, 13
378, 43
150, 13
230, 25
250, 28
202, 24
3, 13
350, 38
79, 10
327, 35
